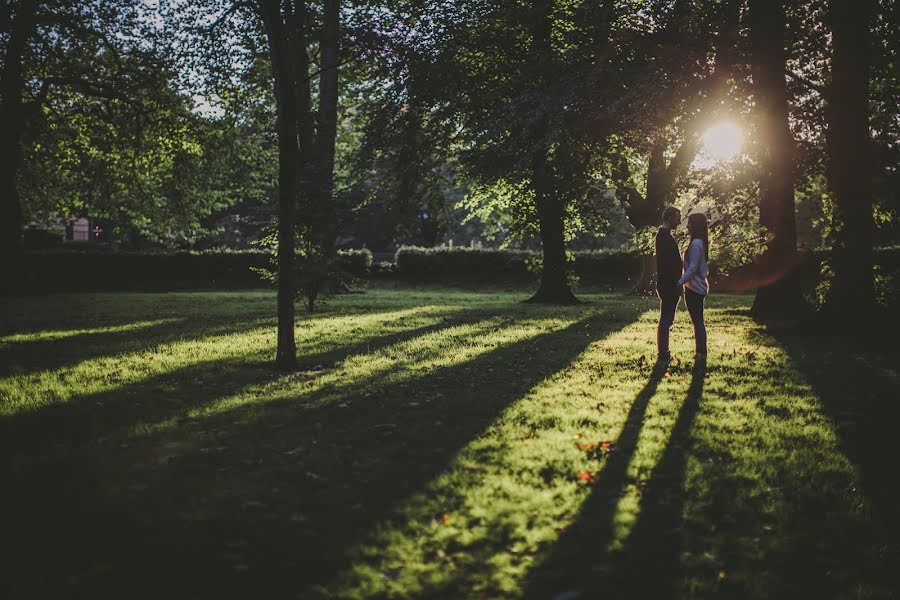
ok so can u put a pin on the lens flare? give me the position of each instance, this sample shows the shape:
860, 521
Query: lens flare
723, 141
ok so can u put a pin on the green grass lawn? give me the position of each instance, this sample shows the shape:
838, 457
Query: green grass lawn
439, 444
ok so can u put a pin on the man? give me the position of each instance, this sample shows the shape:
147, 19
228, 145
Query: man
668, 272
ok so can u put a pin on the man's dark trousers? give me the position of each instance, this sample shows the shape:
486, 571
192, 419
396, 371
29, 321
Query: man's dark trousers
669, 295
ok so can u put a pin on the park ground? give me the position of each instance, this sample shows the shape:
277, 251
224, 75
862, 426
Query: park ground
439, 444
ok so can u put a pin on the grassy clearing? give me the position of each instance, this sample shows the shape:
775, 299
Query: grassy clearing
438, 444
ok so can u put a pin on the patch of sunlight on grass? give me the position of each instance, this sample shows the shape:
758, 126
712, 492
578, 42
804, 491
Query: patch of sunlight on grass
60, 334
251, 345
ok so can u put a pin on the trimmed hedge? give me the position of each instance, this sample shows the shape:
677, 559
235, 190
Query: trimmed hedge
58, 271
460, 265
479, 266
67, 270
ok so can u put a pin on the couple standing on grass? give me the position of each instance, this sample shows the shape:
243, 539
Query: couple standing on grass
674, 277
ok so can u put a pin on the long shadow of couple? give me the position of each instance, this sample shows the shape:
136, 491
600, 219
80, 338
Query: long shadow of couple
581, 564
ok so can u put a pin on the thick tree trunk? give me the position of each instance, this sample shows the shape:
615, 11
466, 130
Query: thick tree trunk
778, 294
288, 157
853, 289
554, 287
327, 131
12, 126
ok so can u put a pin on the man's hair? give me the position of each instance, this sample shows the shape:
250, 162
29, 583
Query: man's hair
670, 212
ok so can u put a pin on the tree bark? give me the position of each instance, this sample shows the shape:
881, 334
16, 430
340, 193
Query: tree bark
12, 128
778, 294
327, 130
849, 145
649, 213
288, 158
554, 287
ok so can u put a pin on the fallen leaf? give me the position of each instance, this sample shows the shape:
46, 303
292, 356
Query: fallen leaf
588, 477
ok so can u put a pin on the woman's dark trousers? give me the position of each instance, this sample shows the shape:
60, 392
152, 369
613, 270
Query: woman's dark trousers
694, 303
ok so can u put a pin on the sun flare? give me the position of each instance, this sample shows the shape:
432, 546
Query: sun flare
723, 141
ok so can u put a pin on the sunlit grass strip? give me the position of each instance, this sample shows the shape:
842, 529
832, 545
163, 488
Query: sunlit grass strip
60, 334
255, 344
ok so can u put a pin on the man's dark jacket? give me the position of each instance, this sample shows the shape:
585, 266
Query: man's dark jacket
668, 262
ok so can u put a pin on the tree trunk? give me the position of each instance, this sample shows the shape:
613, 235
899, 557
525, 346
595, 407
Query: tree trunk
853, 289
778, 294
554, 287
12, 127
288, 157
327, 131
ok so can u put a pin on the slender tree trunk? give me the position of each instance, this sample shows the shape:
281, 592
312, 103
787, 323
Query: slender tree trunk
12, 128
554, 286
288, 157
778, 294
327, 131
306, 126
849, 145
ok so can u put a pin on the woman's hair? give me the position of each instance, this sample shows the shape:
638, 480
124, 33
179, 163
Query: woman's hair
699, 228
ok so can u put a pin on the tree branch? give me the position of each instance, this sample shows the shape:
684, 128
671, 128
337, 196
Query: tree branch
633, 199
808, 83
236, 6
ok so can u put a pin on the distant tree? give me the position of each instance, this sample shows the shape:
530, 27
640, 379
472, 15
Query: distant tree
283, 35
509, 91
80, 49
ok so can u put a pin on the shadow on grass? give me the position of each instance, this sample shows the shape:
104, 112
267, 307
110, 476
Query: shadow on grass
581, 565
263, 497
856, 382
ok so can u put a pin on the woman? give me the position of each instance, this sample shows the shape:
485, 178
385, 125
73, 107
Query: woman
696, 270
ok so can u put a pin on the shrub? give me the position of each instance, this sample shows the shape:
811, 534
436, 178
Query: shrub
357, 263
